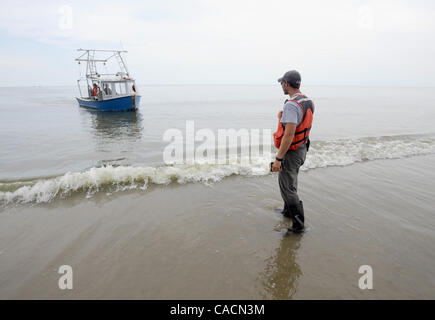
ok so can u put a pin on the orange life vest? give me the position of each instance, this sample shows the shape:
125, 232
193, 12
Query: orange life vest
95, 91
302, 131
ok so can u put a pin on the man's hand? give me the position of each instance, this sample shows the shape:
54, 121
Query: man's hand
280, 114
276, 166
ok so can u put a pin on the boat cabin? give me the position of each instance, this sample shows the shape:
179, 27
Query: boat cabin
109, 89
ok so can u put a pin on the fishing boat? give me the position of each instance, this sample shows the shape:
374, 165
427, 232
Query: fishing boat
106, 91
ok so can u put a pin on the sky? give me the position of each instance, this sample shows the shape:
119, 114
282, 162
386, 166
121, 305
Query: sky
335, 42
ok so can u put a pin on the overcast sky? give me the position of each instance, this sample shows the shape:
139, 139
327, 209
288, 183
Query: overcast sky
333, 42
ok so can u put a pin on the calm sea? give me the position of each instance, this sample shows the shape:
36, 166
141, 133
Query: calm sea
50, 146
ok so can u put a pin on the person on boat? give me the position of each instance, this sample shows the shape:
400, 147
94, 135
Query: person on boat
95, 90
133, 88
292, 141
107, 89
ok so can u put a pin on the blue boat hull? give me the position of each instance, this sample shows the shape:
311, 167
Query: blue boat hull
129, 103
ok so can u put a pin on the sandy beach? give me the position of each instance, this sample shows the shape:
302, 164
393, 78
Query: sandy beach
222, 241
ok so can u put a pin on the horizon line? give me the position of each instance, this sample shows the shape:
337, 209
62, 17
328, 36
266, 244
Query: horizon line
230, 84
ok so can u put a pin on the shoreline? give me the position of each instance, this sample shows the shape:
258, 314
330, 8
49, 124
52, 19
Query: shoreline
222, 242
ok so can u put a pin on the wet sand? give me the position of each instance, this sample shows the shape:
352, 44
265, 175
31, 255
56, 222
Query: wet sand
223, 242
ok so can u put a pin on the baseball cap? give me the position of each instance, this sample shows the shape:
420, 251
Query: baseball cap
292, 77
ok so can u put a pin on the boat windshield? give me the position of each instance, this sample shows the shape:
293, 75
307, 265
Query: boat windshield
118, 88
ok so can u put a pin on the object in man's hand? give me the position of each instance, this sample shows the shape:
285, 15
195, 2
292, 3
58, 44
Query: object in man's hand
271, 164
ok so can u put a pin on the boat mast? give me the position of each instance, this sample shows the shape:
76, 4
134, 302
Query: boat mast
91, 62
121, 63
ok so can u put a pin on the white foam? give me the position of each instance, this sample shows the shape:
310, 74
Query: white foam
322, 154
128, 177
348, 151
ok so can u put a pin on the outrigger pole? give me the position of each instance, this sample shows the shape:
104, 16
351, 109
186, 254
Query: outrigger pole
88, 56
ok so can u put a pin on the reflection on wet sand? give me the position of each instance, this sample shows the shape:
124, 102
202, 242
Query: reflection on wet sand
282, 271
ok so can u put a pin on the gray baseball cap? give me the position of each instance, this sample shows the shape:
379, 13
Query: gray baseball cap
292, 77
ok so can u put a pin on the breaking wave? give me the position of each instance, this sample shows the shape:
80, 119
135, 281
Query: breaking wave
110, 178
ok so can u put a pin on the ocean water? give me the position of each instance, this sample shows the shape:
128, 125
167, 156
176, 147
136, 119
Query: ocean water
51, 148
91, 190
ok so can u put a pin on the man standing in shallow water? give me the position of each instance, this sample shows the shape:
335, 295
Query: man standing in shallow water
292, 141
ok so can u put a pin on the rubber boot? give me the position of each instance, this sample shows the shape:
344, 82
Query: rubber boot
298, 218
285, 212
